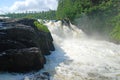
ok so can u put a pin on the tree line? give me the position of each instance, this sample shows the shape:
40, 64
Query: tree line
51, 14
103, 15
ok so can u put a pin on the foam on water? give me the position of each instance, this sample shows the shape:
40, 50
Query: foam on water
77, 57
82, 58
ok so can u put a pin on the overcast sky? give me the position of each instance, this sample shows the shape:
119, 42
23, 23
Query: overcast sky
27, 5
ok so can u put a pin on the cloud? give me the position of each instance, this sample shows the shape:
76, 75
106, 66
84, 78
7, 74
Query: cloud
33, 5
4, 10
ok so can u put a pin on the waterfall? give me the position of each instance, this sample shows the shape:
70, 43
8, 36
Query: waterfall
77, 57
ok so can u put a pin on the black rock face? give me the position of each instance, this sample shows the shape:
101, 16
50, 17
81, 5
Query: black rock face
23, 46
21, 60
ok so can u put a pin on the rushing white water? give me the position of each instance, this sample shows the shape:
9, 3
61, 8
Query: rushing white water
77, 57
80, 58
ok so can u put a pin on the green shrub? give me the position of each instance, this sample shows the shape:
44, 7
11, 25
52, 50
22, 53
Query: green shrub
115, 34
41, 27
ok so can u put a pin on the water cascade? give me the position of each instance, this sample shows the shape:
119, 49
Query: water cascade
77, 57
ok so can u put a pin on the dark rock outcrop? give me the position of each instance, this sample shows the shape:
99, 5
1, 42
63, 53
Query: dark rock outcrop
23, 46
21, 60
45, 37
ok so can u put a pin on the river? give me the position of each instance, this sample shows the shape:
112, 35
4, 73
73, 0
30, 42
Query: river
77, 57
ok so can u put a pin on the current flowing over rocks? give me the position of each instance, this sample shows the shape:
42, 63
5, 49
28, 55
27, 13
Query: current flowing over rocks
76, 57
79, 57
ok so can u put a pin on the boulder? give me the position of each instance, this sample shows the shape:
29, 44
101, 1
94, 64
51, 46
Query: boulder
23, 46
44, 38
22, 34
21, 60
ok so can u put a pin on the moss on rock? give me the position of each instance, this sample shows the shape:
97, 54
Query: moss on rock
41, 27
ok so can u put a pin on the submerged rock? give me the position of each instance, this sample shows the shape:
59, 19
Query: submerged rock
23, 46
38, 76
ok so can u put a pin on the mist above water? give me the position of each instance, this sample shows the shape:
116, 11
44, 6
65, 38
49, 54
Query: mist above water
95, 26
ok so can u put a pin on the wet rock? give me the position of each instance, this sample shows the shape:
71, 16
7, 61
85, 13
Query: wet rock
45, 37
23, 46
39, 76
21, 60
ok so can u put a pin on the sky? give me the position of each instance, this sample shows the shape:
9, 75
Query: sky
27, 5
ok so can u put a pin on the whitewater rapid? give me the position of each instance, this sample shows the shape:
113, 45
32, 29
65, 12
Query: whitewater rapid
77, 57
